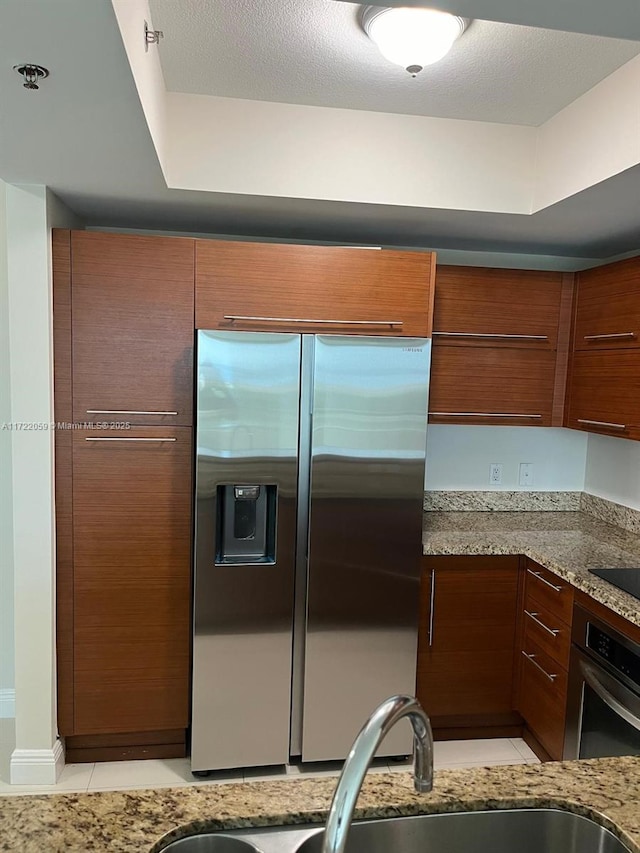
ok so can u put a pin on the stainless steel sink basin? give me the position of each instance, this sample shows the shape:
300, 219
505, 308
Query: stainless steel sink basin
508, 831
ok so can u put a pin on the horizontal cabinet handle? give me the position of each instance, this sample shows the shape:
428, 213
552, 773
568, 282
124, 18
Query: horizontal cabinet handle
544, 580
125, 412
482, 415
609, 337
550, 675
130, 439
603, 424
491, 336
553, 631
233, 317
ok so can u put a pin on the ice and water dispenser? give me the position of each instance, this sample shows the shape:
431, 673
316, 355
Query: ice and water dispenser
246, 528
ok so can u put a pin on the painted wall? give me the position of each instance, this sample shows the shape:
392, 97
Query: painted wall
7, 669
458, 457
31, 212
613, 469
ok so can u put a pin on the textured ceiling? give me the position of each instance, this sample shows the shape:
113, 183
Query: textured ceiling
314, 52
87, 139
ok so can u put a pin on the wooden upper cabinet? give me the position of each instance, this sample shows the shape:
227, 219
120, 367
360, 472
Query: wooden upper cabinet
608, 307
476, 385
335, 290
605, 393
477, 306
133, 328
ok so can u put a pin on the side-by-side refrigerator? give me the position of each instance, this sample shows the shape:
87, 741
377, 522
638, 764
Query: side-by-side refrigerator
309, 491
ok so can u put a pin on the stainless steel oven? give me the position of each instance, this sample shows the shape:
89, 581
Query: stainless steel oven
603, 705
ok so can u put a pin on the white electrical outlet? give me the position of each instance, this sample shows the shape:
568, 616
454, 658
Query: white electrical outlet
526, 474
495, 474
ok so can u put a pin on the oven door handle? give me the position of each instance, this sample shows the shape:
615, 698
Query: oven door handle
611, 693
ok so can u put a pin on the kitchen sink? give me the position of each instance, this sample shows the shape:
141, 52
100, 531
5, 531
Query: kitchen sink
506, 831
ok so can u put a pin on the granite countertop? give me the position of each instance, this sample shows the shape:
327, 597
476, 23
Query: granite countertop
143, 821
566, 543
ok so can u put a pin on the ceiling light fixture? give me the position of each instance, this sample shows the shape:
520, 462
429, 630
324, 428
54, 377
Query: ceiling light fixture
412, 37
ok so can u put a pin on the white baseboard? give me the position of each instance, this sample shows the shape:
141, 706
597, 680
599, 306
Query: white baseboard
37, 766
7, 703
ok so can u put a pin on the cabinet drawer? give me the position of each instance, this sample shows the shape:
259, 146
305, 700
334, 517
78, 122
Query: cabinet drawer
605, 394
548, 590
543, 698
608, 307
548, 632
280, 287
477, 306
491, 386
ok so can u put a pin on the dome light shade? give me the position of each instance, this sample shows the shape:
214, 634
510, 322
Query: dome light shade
412, 37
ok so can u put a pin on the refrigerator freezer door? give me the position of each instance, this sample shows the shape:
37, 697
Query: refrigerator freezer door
367, 482
248, 388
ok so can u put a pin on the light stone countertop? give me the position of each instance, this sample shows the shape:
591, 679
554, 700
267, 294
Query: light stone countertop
607, 790
566, 543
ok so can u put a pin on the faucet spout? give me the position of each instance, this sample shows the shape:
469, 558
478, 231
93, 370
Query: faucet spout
361, 755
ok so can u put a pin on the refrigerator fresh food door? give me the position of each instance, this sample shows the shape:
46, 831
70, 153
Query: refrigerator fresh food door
368, 441
248, 388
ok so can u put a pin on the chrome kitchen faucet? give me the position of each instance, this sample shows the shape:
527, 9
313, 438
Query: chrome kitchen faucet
361, 755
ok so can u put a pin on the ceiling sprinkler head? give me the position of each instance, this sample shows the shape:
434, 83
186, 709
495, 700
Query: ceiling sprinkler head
414, 70
31, 74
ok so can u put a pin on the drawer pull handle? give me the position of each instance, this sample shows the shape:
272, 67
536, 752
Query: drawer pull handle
432, 605
609, 337
544, 580
550, 675
491, 336
233, 317
553, 631
130, 439
481, 415
602, 424
125, 412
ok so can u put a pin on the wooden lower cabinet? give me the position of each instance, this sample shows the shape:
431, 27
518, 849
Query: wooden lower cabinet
467, 641
131, 585
543, 659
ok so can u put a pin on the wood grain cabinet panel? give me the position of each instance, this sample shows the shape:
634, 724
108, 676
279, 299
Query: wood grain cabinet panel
132, 586
476, 306
467, 639
367, 291
608, 307
133, 327
491, 386
605, 393
543, 696
550, 591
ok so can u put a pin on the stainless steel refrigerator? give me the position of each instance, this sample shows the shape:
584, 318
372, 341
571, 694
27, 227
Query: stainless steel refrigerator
309, 489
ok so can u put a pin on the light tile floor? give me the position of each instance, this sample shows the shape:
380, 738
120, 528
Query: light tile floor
175, 772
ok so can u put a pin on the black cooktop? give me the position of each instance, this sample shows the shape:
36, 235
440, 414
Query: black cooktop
625, 579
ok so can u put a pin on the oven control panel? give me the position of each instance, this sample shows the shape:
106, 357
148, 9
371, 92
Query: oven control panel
618, 656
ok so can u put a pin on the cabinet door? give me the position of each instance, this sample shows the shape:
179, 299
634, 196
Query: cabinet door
330, 289
133, 329
608, 307
605, 393
475, 306
467, 639
491, 386
132, 570
543, 696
